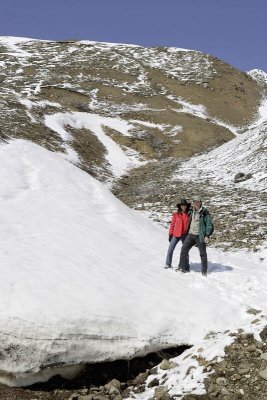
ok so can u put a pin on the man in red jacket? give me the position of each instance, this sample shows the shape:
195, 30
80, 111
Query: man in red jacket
178, 229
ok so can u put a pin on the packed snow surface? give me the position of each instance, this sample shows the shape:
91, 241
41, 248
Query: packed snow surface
82, 276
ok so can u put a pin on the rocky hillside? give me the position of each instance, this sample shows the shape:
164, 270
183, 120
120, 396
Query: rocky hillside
178, 102
113, 108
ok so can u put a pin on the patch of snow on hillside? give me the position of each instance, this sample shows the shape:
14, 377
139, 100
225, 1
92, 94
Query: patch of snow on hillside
200, 111
259, 76
148, 124
262, 115
12, 43
118, 159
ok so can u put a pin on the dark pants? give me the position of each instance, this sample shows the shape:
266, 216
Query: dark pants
189, 242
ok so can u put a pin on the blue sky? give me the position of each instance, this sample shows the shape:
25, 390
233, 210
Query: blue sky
233, 30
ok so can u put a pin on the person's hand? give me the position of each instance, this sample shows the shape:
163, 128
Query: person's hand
206, 239
170, 238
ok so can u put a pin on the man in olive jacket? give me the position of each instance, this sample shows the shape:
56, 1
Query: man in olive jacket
199, 230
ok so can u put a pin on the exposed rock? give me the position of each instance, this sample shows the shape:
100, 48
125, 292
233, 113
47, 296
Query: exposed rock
253, 311
154, 382
239, 177
243, 370
161, 393
189, 369
113, 383
141, 378
118, 397
74, 396
86, 397
221, 381
263, 334
224, 391
263, 374
153, 371
166, 364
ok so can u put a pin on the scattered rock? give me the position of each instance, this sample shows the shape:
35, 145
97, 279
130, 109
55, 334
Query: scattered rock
264, 356
263, 374
113, 391
239, 177
225, 392
263, 334
141, 378
165, 364
243, 370
154, 382
253, 311
86, 397
190, 369
113, 383
154, 371
161, 393
74, 396
221, 381
118, 397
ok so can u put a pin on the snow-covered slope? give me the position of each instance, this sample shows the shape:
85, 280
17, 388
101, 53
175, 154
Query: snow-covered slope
259, 76
247, 154
82, 277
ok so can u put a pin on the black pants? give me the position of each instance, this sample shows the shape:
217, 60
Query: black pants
189, 242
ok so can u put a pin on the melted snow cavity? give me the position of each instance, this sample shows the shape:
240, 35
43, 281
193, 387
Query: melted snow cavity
101, 373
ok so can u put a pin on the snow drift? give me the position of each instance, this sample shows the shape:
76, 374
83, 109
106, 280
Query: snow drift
82, 277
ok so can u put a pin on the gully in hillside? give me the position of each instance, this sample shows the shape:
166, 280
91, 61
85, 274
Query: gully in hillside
178, 229
200, 228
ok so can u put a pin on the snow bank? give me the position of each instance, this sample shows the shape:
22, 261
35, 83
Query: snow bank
82, 277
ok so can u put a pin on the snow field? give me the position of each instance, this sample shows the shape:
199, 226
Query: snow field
82, 276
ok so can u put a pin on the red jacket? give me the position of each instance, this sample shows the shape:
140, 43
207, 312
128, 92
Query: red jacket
179, 224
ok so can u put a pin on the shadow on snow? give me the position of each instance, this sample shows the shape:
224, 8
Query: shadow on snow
212, 267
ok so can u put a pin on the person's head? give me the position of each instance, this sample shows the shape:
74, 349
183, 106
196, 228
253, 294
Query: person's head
183, 206
197, 203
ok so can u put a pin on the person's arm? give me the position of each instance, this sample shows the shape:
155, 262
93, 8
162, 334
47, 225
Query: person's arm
172, 225
209, 225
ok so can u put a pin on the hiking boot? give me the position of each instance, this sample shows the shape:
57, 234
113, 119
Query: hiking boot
167, 266
184, 270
